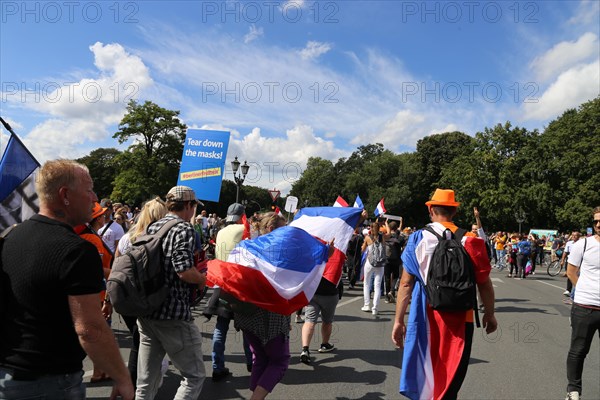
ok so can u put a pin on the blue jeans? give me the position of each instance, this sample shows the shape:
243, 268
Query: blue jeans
501, 254
56, 386
219, 338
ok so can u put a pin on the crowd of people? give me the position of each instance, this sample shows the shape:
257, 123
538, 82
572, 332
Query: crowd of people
72, 242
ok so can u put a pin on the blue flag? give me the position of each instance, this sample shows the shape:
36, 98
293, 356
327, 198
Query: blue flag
358, 202
16, 165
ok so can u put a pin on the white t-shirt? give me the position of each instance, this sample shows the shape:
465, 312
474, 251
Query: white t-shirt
587, 291
569, 245
124, 244
113, 234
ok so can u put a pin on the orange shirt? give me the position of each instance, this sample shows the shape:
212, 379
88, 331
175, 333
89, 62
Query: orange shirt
104, 253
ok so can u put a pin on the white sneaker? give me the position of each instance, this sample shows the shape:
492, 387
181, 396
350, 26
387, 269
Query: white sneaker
572, 396
374, 311
365, 308
567, 293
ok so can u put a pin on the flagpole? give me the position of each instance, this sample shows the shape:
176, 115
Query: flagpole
14, 135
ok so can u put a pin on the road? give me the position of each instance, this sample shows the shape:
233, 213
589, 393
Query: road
525, 359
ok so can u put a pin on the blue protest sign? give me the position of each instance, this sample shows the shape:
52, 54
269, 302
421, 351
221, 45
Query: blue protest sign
203, 162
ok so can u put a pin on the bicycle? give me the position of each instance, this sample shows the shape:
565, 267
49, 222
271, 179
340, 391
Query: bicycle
555, 267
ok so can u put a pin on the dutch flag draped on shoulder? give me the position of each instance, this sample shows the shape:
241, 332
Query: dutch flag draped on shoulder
380, 209
18, 199
326, 224
280, 271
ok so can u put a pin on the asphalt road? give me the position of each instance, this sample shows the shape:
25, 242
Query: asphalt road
525, 359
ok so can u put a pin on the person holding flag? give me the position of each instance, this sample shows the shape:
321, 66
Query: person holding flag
437, 344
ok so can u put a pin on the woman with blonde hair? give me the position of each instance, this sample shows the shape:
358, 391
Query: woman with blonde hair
152, 211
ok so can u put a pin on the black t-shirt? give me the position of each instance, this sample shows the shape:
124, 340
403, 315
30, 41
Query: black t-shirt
326, 288
44, 262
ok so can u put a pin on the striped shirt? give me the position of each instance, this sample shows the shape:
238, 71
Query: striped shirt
178, 248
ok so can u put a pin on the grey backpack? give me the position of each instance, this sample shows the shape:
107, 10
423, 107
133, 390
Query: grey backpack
376, 255
136, 285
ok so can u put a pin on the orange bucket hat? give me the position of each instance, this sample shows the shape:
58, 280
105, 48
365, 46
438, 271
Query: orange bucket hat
443, 197
98, 210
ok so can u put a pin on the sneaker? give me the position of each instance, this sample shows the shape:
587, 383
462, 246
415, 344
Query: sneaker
509, 276
219, 375
572, 396
567, 293
365, 309
326, 348
374, 311
299, 319
305, 357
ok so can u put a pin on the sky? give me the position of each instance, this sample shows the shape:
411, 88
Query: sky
292, 79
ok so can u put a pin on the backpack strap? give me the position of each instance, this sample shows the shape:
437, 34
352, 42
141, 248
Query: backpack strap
163, 230
459, 234
106, 227
431, 230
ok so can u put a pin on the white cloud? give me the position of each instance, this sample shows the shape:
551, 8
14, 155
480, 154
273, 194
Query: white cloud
253, 34
564, 55
314, 49
276, 161
82, 112
573, 87
587, 13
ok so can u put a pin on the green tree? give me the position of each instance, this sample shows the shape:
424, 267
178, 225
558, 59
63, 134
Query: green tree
151, 163
103, 169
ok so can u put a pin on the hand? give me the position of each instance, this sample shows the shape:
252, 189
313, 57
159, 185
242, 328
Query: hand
489, 323
125, 391
475, 212
399, 334
106, 310
331, 248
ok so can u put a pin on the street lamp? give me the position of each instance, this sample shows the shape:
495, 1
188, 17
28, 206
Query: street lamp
239, 178
520, 216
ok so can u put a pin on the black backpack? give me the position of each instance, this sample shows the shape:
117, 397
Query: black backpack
136, 285
393, 248
451, 277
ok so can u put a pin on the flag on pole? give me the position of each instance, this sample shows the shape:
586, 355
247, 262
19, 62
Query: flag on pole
16, 165
326, 224
358, 202
18, 198
278, 212
279, 271
380, 210
340, 202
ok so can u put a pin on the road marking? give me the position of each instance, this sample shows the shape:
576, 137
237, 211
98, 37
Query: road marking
497, 280
549, 284
343, 303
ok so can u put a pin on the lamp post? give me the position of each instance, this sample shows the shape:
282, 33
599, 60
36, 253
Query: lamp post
520, 216
239, 177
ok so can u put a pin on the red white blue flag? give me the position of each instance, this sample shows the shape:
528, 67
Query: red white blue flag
279, 271
327, 224
380, 209
340, 202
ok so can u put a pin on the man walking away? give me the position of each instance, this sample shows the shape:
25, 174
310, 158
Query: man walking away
438, 347
583, 269
171, 328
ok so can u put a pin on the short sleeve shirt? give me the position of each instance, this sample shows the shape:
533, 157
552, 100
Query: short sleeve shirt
45, 262
588, 285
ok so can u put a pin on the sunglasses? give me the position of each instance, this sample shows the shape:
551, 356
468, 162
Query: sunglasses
596, 221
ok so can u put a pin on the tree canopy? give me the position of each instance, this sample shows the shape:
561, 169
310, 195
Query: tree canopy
550, 178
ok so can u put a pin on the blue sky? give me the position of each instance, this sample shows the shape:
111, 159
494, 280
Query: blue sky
293, 79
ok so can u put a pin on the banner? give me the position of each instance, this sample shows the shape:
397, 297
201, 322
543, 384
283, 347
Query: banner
203, 162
